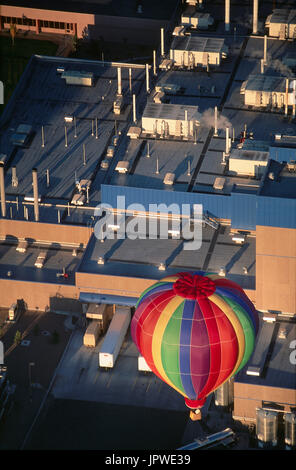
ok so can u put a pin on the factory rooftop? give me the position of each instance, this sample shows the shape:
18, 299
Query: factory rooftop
269, 364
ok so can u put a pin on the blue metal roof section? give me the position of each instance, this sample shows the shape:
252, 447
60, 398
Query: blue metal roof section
282, 154
244, 210
214, 204
276, 212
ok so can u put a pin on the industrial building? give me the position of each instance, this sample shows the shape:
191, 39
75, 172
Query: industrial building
170, 120
192, 51
111, 21
67, 142
282, 24
196, 19
269, 91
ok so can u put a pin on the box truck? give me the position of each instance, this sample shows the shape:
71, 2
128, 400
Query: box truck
91, 334
142, 365
114, 337
98, 312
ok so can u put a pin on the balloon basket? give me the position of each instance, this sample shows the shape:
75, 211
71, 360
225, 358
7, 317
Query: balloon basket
195, 415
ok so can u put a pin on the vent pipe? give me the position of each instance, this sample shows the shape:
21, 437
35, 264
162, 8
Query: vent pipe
227, 146
154, 63
147, 78
2, 190
216, 121
255, 16
134, 109
227, 15
119, 87
162, 41
287, 97
14, 178
265, 50
35, 194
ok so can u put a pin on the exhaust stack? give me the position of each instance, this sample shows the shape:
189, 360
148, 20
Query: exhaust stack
162, 41
134, 109
35, 194
227, 15
255, 16
2, 190
119, 86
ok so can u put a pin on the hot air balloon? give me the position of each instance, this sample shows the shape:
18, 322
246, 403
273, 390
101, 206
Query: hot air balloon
195, 331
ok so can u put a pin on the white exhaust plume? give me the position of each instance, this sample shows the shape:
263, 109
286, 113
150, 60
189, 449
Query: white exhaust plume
208, 120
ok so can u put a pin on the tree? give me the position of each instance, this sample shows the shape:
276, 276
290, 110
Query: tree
12, 32
17, 337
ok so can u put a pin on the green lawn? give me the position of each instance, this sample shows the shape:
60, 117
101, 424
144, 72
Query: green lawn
15, 58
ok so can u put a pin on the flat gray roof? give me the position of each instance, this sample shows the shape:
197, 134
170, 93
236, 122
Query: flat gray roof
198, 44
272, 356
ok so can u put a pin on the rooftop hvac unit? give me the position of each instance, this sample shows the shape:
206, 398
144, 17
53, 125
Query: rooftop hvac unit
238, 238
282, 333
266, 427
253, 370
169, 178
68, 118
224, 394
161, 267
101, 260
122, 167
222, 271
290, 430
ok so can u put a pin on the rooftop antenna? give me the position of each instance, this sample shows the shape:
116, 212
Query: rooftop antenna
233, 135
148, 150
162, 41
35, 194
2, 190
227, 15
42, 136
66, 137
96, 128
92, 127
188, 168
255, 16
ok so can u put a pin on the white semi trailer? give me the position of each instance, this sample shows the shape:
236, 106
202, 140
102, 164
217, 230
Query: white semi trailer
114, 337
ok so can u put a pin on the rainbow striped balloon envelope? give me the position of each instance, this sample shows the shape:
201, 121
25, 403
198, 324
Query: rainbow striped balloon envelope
195, 331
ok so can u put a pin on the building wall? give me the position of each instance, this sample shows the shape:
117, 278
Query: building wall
55, 233
82, 20
113, 285
248, 397
276, 269
110, 28
37, 296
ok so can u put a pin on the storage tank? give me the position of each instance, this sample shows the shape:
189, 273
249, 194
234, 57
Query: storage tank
266, 428
290, 431
224, 394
